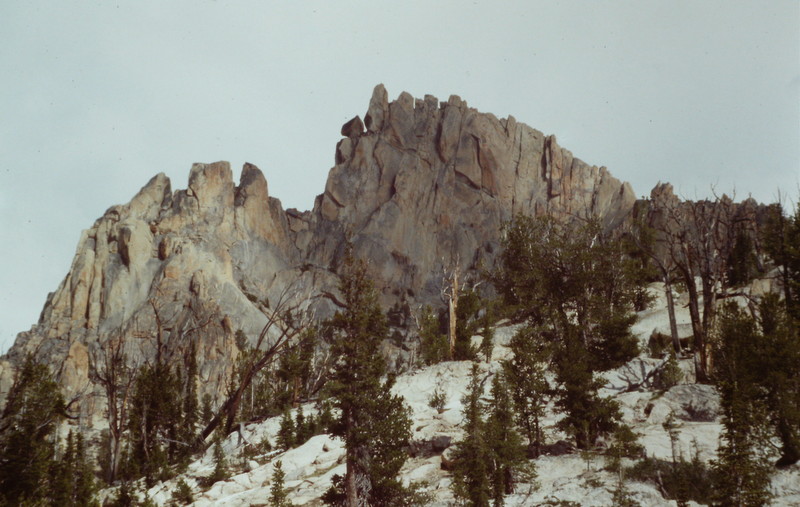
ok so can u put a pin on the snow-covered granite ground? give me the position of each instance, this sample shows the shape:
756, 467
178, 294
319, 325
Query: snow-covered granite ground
574, 478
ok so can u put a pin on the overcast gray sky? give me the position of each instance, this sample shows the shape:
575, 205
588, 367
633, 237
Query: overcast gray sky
97, 97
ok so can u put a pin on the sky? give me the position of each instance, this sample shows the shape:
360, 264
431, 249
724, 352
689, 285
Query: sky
97, 97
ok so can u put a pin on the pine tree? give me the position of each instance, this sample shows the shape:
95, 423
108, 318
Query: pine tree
86, 486
471, 468
277, 492
779, 360
433, 341
505, 445
34, 407
574, 286
373, 422
301, 427
183, 493
155, 422
287, 431
742, 260
525, 374
742, 468
220, 472
781, 328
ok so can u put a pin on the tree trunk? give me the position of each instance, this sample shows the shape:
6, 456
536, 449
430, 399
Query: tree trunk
697, 330
673, 325
115, 448
453, 306
350, 488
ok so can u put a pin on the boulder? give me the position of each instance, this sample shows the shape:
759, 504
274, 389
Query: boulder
353, 128
686, 402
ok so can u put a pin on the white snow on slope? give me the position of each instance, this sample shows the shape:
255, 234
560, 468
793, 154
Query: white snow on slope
574, 477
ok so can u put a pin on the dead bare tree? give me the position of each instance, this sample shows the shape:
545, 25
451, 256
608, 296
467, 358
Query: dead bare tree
697, 237
109, 367
449, 295
285, 325
643, 237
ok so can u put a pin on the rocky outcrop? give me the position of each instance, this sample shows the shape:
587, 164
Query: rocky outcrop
429, 184
420, 186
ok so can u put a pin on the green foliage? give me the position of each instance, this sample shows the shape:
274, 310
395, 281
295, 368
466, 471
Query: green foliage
295, 366
525, 374
505, 445
220, 472
206, 410
487, 335
471, 473
742, 262
72, 481
125, 497
678, 480
34, 407
491, 458
433, 339
286, 431
437, 400
252, 450
669, 375
277, 492
154, 424
183, 493
622, 496
624, 444
374, 424
576, 289
781, 241
743, 470
779, 363
295, 432
588, 416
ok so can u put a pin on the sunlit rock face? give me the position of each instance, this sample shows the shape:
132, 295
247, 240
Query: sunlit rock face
418, 188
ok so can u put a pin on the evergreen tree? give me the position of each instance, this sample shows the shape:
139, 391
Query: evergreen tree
471, 458
525, 374
286, 431
742, 468
373, 423
742, 260
433, 340
183, 493
781, 328
295, 367
220, 472
587, 415
574, 286
34, 407
505, 445
471, 468
781, 240
779, 364
155, 423
277, 492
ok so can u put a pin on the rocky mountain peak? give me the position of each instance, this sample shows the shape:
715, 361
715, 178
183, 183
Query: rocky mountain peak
419, 187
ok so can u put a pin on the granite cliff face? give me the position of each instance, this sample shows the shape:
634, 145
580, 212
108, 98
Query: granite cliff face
418, 187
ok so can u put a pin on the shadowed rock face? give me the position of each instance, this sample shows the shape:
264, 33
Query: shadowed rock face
418, 187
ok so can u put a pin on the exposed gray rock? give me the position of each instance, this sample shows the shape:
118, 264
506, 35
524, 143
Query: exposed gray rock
686, 402
423, 190
353, 128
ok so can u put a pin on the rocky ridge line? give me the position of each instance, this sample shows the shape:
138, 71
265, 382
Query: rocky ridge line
418, 187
